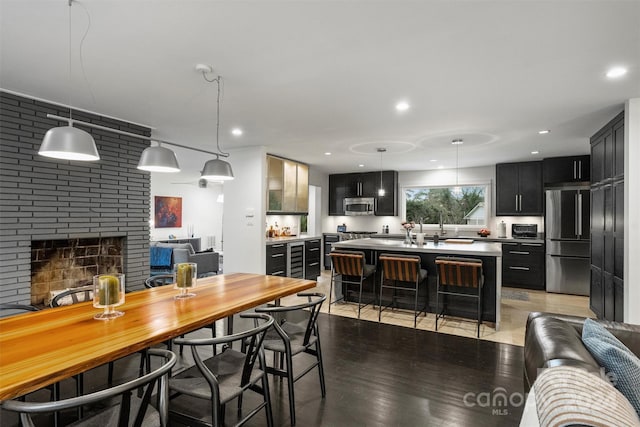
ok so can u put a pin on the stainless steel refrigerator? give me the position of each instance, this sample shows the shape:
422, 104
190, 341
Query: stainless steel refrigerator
567, 228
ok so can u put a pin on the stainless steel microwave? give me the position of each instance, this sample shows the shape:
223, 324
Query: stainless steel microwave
359, 206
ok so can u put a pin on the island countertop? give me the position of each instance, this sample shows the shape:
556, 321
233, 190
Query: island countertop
442, 247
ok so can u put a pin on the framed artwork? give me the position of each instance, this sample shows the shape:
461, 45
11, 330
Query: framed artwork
168, 212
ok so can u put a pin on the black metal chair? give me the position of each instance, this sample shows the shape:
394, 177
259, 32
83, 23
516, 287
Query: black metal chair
168, 279
459, 277
73, 296
159, 280
223, 377
10, 309
350, 264
295, 331
405, 274
128, 411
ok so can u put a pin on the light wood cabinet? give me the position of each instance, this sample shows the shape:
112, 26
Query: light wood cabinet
287, 186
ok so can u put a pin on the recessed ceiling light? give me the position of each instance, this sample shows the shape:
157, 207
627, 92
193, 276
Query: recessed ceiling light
402, 106
535, 152
236, 131
327, 153
360, 165
458, 141
544, 131
433, 160
616, 72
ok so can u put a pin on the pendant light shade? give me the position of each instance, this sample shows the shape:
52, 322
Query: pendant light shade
217, 170
69, 143
158, 159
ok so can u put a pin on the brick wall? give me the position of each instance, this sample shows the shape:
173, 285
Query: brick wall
42, 198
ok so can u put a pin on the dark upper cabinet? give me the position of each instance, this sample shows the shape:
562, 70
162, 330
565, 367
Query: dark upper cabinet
519, 188
337, 193
387, 205
364, 185
607, 220
557, 170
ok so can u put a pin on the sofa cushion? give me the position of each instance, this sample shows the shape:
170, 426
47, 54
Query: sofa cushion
552, 342
572, 396
616, 359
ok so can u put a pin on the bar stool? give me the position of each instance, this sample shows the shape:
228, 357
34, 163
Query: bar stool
350, 264
405, 273
460, 277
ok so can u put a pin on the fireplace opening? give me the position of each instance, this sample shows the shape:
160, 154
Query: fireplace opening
60, 264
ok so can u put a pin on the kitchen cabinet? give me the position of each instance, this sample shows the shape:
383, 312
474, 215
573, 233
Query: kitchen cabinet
557, 170
364, 185
519, 189
276, 259
607, 220
337, 193
387, 205
312, 250
329, 239
287, 186
523, 265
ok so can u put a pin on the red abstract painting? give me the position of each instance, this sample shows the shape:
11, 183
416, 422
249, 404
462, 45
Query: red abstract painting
168, 212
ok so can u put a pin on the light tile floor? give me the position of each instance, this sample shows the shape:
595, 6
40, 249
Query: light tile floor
513, 319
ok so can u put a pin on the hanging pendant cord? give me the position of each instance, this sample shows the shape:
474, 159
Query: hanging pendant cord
69, 69
218, 81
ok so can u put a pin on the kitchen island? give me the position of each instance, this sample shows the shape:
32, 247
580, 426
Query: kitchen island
489, 252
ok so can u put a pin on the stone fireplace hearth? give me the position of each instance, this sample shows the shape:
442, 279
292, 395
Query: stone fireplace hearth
67, 263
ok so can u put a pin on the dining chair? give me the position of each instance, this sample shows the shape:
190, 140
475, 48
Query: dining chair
159, 280
223, 377
402, 273
168, 279
118, 405
459, 277
352, 268
294, 332
11, 309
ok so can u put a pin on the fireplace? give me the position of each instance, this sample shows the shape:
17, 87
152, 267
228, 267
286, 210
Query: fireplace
67, 263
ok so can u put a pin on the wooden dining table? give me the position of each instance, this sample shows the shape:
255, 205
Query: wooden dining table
44, 347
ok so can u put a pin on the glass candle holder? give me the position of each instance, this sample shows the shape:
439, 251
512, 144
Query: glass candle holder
108, 293
185, 275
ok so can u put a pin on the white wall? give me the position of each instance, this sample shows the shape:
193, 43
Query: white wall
632, 212
244, 212
200, 207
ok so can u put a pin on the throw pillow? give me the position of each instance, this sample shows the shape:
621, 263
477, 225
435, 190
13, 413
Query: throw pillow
615, 358
567, 395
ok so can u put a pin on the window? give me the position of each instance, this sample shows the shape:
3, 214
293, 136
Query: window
460, 206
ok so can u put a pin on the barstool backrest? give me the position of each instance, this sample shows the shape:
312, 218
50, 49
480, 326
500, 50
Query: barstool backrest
462, 272
348, 263
404, 268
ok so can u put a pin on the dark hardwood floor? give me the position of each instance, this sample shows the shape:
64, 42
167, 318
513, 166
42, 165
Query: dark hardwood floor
385, 375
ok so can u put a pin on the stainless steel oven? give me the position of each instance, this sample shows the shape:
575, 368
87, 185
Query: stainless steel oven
359, 206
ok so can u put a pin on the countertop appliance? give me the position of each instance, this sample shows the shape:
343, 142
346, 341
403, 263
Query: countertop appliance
567, 227
359, 206
524, 231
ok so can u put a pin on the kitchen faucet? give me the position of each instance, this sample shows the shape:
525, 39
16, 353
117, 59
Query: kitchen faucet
420, 224
442, 232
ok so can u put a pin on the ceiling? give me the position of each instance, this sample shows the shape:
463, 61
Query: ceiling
308, 77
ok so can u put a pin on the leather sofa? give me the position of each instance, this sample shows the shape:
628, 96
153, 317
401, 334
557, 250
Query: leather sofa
208, 261
555, 340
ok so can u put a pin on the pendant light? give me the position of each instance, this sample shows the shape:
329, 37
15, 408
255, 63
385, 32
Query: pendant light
381, 191
157, 158
457, 142
67, 142
216, 169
